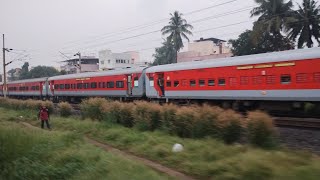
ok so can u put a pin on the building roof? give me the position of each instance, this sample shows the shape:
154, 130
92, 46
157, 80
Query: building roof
83, 58
215, 40
97, 74
291, 55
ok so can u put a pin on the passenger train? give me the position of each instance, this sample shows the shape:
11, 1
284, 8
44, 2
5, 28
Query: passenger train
289, 76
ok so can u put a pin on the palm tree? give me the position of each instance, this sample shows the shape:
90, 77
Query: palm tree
306, 24
273, 15
177, 27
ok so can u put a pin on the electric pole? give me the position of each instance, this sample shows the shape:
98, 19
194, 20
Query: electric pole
79, 54
4, 69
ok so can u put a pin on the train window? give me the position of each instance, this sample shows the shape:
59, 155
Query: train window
93, 85
233, 81
136, 81
110, 84
67, 86
61, 86
168, 83
103, 85
151, 81
33, 88
302, 78
100, 85
244, 80
119, 84
56, 86
222, 82
15, 88
193, 83
72, 86
202, 82
316, 77
285, 79
37, 88
85, 85
27, 88
176, 83
211, 82
184, 82
271, 79
79, 86
257, 80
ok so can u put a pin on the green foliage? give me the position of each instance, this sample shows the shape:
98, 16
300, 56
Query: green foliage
35, 154
177, 29
260, 129
306, 24
203, 158
146, 116
273, 16
25, 104
247, 44
93, 108
230, 125
65, 109
165, 54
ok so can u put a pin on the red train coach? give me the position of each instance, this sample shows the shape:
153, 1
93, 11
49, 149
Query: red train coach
281, 76
123, 83
28, 88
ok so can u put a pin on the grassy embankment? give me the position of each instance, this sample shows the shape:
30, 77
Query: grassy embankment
36, 154
204, 158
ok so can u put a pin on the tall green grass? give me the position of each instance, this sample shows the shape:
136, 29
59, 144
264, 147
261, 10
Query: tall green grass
205, 158
35, 154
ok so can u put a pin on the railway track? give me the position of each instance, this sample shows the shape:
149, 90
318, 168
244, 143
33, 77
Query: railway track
297, 122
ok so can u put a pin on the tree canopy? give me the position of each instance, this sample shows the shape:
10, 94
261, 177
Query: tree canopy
245, 45
306, 24
165, 54
177, 29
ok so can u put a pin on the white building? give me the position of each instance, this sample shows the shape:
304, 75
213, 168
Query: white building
203, 49
109, 60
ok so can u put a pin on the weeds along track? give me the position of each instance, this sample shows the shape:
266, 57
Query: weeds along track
154, 165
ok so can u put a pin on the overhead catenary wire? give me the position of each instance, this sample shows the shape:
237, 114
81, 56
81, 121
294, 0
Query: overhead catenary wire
151, 24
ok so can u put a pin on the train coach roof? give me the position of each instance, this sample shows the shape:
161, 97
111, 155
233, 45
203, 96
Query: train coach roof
28, 80
241, 60
97, 74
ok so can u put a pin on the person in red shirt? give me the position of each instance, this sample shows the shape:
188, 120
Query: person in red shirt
44, 116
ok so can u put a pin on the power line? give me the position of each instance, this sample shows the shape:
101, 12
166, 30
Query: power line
152, 23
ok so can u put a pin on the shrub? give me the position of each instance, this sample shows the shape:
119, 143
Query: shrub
230, 125
118, 112
260, 129
183, 123
146, 116
65, 109
93, 108
206, 122
167, 115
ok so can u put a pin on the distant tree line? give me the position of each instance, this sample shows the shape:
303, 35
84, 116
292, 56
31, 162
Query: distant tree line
36, 72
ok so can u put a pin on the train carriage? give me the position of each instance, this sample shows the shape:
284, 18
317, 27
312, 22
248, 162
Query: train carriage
28, 88
122, 83
280, 76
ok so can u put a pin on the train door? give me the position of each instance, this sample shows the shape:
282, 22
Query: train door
160, 83
129, 85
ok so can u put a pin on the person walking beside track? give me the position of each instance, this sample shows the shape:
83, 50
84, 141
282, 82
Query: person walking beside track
44, 116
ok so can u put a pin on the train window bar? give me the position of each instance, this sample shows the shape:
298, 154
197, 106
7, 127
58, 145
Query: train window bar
211, 82
222, 82
285, 79
193, 83
202, 82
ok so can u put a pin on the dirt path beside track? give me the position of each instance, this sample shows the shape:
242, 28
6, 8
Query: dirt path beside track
154, 165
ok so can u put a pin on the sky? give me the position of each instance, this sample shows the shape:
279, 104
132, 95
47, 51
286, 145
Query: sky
45, 32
